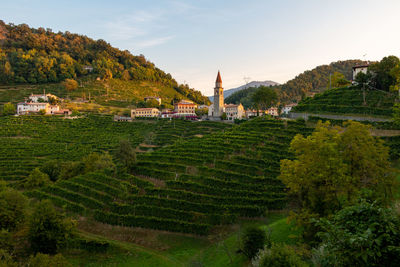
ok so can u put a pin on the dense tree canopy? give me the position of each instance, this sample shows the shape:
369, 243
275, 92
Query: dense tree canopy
30, 55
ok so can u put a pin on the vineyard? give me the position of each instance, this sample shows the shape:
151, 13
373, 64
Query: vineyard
189, 185
349, 101
29, 141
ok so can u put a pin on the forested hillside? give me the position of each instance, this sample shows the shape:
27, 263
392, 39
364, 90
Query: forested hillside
316, 80
40, 56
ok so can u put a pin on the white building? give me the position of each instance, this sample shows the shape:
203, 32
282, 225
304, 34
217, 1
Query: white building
233, 111
26, 108
358, 69
287, 108
43, 97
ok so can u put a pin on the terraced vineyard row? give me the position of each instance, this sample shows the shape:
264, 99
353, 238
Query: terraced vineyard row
29, 141
349, 101
189, 186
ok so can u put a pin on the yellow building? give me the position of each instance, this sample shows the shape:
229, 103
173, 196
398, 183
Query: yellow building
145, 113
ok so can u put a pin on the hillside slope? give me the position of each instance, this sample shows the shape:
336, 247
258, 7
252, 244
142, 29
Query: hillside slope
229, 92
349, 100
38, 56
315, 80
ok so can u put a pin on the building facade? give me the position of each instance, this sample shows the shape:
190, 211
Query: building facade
273, 111
287, 108
233, 111
358, 69
145, 113
185, 108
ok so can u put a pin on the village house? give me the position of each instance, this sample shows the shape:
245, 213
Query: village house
185, 108
39, 102
43, 97
287, 108
253, 113
122, 118
145, 113
233, 111
273, 111
167, 113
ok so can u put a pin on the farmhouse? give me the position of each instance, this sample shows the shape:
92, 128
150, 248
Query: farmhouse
145, 113
44, 97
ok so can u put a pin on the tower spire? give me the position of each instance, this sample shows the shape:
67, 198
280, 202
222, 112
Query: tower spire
219, 80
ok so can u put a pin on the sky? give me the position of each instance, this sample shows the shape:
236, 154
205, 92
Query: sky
260, 39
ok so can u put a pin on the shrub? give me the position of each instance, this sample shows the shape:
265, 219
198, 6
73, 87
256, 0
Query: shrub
12, 209
253, 240
36, 179
48, 229
278, 256
363, 234
43, 260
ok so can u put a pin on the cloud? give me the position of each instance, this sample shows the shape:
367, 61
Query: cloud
142, 29
153, 42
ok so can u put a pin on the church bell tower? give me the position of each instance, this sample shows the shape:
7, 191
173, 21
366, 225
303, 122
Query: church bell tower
218, 97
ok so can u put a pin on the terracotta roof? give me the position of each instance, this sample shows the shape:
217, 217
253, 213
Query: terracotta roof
219, 80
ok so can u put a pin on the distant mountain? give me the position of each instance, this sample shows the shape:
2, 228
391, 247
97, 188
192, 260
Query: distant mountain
229, 92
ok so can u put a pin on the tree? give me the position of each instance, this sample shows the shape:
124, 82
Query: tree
36, 179
365, 234
224, 116
332, 167
95, 161
253, 240
52, 168
12, 209
384, 73
8, 109
126, 153
70, 84
264, 97
152, 103
338, 80
48, 229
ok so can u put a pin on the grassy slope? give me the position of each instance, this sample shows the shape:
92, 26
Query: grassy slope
183, 250
119, 93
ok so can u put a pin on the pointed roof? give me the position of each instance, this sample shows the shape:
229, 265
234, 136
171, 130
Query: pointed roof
219, 80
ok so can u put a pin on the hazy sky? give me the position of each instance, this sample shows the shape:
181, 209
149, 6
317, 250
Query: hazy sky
261, 39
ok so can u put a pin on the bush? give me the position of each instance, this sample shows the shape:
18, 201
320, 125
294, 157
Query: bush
48, 229
36, 179
43, 260
278, 256
12, 209
8, 109
363, 234
253, 240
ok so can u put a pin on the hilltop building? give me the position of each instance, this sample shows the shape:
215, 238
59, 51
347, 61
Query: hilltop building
44, 97
359, 68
